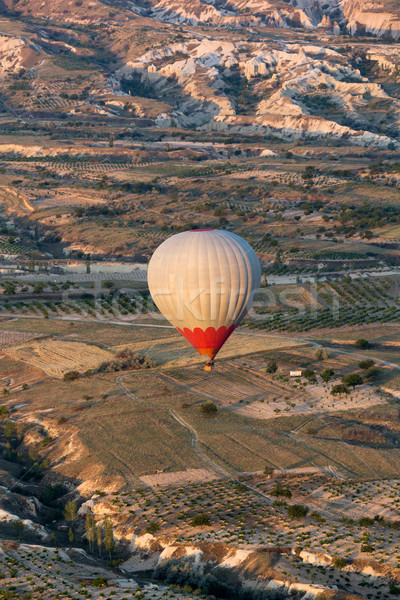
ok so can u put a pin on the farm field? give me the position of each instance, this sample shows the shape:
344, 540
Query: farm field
30, 569
338, 520
57, 357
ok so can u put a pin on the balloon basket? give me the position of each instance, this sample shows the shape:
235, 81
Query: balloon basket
209, 366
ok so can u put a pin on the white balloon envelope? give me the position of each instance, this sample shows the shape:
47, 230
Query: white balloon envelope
203, 282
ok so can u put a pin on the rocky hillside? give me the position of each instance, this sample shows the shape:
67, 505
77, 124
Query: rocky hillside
302, 83
377, 18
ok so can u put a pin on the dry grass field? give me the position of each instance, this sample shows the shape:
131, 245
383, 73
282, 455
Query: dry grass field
57, 357
102, 436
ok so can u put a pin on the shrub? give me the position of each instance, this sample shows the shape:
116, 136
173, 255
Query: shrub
394, 590
71, 375
320, 354
152, 527
279, 490
365, 522
340, 388
372, 374
366, 364
209, 408
268, 470
272, 367
362, 343
201, 520
297, 511
339, 563
310, 375
3, 410
100, 582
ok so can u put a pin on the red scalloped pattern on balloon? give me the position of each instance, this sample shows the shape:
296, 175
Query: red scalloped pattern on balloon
207, 341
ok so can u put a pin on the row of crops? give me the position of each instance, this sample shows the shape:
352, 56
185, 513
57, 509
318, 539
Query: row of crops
96, 308
327, 317
362, 291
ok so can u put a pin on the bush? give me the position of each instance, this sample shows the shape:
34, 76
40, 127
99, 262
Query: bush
320, 354
366, 522
100, 582
209, 408
372, 374
340, 388
268, 470
362, 343
339, 563
71, 376
366, 364
310, 375
3, 410
272, 367
201, 520
394, 590
279, 490
152, 527
297, 511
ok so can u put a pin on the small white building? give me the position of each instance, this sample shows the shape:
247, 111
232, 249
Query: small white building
296, 373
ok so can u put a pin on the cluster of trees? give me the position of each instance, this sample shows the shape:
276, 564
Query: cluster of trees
127, 359
97, 536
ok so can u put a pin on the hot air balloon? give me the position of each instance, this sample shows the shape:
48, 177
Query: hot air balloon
203, 282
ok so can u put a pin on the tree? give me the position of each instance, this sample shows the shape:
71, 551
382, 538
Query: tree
272, 367
4, 411
90, 529
310, 375
19, 528
109, 541
366, 364
70, 536
268, 470
99, 539
327, 375
362, 343
9, 429
71, 511
352, 379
